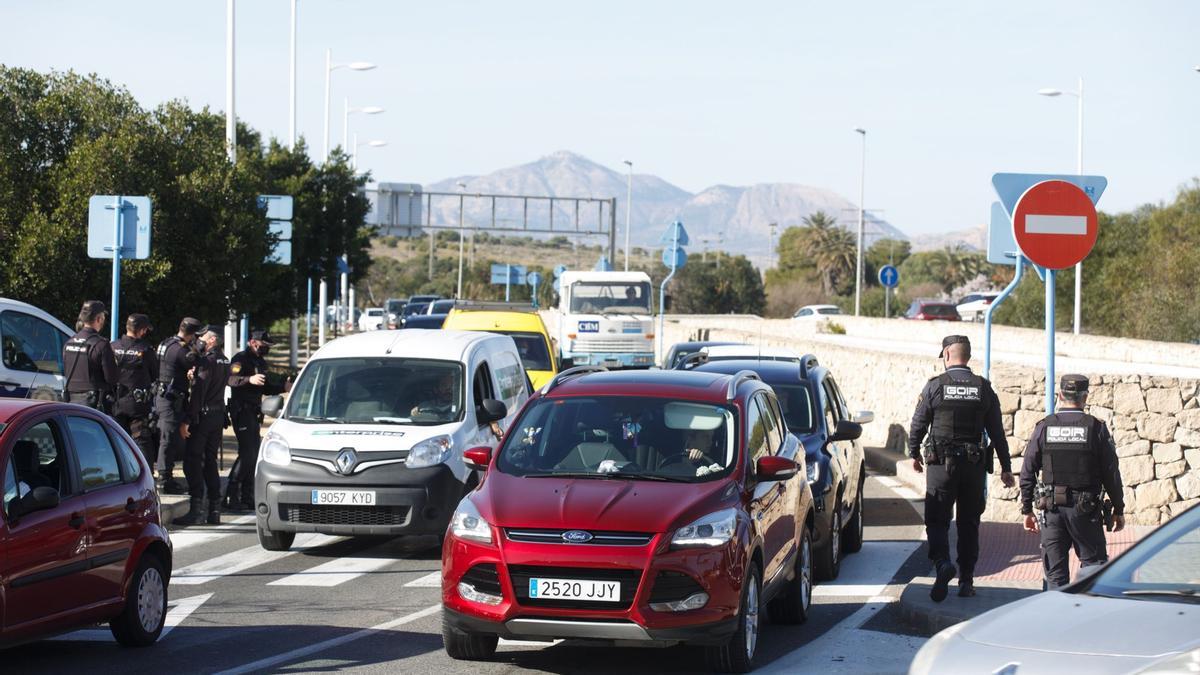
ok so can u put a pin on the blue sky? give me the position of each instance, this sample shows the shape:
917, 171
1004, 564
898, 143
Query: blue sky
696, 92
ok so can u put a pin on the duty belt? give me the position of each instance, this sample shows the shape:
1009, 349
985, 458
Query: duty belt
937, 452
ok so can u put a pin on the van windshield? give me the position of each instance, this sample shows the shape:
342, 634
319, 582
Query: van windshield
624, 297
621, 437
378, 391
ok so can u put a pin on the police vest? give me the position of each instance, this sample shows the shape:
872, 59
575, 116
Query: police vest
130, 354
77, 362
1069, 456
167, 366
958, 416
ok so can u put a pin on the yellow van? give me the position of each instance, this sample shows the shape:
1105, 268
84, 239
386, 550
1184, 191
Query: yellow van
524, 327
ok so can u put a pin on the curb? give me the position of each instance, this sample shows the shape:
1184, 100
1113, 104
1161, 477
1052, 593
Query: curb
172, 507
916, 607
893, 463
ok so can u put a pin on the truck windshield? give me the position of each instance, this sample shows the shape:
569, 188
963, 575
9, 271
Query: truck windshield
610, 297
377, 390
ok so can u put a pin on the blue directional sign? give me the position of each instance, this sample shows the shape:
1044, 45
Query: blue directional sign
278, 207
135, 227
508, 274
1010, 186
1002, 247
675, 234
674, 258
342, 266
533, 279
889, 276
281, 229
558, 271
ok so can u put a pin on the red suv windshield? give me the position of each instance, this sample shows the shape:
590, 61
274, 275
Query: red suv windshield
622, 437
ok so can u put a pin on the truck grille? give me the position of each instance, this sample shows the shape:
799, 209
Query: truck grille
327, 514
594, 345
521, 574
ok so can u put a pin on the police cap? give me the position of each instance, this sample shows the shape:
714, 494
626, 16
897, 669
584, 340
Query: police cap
190, 326
262, 336
1073, 384
954, 340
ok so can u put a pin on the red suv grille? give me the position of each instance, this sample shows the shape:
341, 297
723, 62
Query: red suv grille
538, 536
521, 574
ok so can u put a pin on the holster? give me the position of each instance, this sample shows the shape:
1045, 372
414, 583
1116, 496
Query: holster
1106, 511
1086, 503
1062, 495
1043, 497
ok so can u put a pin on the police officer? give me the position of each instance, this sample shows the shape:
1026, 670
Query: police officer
1076, 455
203, 429
247, 384
176, 356
137, 370
91, 370
955, 409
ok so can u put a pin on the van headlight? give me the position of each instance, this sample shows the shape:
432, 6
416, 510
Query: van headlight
814, 471
276, 451
711, 530
429, 452
468, 524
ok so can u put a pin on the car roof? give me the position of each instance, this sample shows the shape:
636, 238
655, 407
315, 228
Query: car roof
413, 343
820, 307
771, 371
600, 277
11, 407
701, 344
750, 352
508, 320
690, 385
9, 303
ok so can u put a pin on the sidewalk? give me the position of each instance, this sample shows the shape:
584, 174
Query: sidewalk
1009, 566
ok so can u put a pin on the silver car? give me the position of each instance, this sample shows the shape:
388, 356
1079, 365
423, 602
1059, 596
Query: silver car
1140, 613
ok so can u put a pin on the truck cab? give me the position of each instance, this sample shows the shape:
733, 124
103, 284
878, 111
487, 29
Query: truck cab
606, 319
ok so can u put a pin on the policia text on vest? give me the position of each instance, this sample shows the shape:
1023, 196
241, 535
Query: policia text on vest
1076, 458
947, 440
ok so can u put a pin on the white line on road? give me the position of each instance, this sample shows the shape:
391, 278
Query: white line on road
848, 591
243, 559
177, 611
431, 580
335, 572
263, 664
195, 537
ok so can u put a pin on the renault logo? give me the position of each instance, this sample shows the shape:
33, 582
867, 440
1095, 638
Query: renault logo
346, 460
576, 537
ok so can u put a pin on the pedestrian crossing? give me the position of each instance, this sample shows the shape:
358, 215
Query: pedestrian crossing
335, 572
244, 559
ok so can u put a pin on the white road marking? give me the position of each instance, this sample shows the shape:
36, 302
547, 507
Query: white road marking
243, 559
177, 611
909, 494
192, 537
335, 572
823, 590
263, 664
431, 580
1046, 224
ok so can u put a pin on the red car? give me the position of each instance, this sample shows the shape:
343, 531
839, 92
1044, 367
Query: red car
924, 310
80, 538
658, 506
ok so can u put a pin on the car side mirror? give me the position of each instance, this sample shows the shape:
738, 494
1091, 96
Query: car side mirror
478, 458
490, 411
773, 468
272, 406
38, 499
846, 431
863, 417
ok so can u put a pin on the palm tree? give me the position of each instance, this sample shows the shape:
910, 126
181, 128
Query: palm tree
955, 266
831, 248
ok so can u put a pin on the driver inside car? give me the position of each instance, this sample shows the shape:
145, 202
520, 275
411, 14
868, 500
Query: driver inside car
439, 400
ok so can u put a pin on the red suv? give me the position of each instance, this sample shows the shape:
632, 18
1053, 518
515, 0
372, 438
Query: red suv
80, 538
660, 506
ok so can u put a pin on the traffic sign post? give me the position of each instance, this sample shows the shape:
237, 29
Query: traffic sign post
508, 275
674, 257
889, 277
118, 227
533, 279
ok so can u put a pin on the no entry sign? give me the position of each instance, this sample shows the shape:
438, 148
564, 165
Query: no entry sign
1055, 224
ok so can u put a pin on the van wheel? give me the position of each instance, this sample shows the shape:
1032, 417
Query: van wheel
793, 603
829, 557
275, 541
463, 646
852, 540
141, 621
737, 655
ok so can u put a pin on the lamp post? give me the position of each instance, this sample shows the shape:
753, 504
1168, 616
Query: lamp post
628, 212
770, 245
329, 68
862, 195
347, 111
364, 144
1078, 94
461, 236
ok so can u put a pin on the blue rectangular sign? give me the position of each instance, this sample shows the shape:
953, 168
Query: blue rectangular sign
508, 274
282, 255
1001, 247
278, 207
135, 226
589, 326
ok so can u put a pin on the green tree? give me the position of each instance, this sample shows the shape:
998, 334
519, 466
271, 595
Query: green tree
734, 288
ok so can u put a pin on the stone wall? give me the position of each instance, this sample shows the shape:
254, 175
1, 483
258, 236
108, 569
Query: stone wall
1155, 420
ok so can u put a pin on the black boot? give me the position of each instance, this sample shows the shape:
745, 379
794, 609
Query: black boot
233, 493
945, 572
195, 514
248, 496
172, 485
214, 512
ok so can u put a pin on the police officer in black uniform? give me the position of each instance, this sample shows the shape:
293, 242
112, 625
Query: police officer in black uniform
202, 430
88, 363
137, 371
248, 383
176, 356
1076, 456
955, 409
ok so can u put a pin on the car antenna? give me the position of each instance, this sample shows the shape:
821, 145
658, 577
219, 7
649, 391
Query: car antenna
388, 351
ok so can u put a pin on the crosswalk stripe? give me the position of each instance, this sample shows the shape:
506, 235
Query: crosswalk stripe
202, 535
243, 559
431, 580
334, 572
177, 611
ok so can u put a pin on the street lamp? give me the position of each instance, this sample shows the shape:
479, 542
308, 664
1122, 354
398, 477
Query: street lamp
364, 144
1078, 94
329, 68
862, 195
347, 111
771, 244
628, 212
461, 236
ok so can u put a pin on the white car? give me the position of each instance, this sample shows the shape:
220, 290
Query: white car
31, 347
973, 306
811, 312
1137, 614
740, 352
371, 441
371, 319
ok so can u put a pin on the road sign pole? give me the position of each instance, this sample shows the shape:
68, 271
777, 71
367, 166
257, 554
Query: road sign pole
1050, 275
507, 281
662, 292
308, 323
118, 242
887, 303
987, 316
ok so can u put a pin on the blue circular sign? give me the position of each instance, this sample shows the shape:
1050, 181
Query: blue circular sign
559, 270
674, 257
889, 276
533, 278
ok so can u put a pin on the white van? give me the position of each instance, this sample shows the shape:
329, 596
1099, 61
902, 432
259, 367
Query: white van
372, 437
31, 348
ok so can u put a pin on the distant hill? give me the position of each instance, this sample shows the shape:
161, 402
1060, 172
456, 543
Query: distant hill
974, 238
739, 215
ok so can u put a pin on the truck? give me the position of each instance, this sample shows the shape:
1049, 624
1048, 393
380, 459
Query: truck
605, 319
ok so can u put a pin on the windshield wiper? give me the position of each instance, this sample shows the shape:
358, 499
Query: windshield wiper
606, 476
664, 479
392, 420
1185, 593
302, 418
